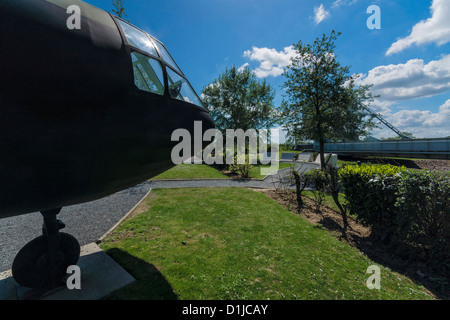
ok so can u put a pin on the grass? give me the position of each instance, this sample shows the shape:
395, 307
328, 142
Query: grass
235, 243
201, 171
191, 171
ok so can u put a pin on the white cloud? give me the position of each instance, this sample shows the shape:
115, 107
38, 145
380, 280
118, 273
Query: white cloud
320, 14
433, 30
339, 3
411, 80
414, 79
272, 62
421, 123
242, 68
442, 119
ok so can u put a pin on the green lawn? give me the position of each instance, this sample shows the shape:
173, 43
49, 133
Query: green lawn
235, 243
191, 171
201, 171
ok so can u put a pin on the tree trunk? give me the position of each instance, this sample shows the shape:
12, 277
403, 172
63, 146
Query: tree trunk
299, 189
334, 187
343, 214
322, 155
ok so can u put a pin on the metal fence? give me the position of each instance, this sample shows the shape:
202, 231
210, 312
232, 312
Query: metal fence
417, 148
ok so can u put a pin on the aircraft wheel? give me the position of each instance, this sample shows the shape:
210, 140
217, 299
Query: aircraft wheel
31, 265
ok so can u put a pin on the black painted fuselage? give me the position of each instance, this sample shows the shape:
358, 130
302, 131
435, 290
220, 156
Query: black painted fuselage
80, 117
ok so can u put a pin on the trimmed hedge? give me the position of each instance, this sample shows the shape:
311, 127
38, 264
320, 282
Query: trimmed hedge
423, 215
370, 193
409, 210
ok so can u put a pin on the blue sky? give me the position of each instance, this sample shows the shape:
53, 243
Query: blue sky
407, 60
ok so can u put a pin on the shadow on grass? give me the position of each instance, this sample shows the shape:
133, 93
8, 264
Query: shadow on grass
150, 284
436, 280
433, 277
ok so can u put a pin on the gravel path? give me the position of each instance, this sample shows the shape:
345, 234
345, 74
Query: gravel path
89, 221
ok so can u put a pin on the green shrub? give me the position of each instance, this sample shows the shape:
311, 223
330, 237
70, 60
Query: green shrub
370, 193
244, 169
234, 168
423, 217
407, 209
318, 178
371, 170
319, 181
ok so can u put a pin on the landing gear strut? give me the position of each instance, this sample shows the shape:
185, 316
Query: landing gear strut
42, 263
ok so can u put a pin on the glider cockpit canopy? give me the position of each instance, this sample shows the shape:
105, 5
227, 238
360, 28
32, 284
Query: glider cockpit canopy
150, 58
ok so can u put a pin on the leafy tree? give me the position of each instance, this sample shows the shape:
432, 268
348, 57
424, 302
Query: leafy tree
408, 134
323, 102
119, 9
237, 100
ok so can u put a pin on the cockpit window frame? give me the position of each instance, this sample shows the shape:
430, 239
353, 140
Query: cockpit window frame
173, 65
125, 38
165, 65
147, 71
168, 67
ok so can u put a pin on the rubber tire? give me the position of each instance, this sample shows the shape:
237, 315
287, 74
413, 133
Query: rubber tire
30, 266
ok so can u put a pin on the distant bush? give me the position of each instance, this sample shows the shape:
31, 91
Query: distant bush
370, 193
244, 169
423, 214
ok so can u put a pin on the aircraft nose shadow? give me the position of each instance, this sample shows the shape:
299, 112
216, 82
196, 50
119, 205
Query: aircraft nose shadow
150, 284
